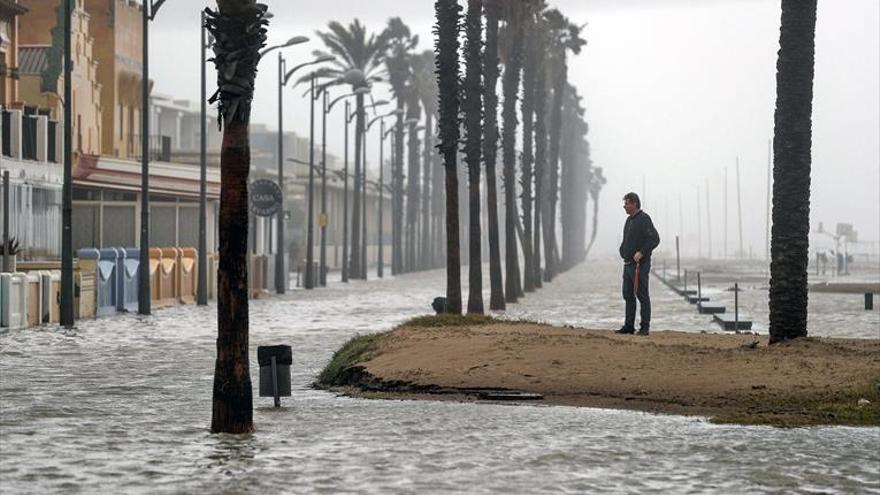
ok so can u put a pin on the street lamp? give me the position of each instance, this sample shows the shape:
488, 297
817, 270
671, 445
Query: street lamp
202, 290
148, 14
292, 41
380, 262
67, 190
284, 76
348, 117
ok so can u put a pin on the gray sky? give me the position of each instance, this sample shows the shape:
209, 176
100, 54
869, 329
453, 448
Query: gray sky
675, 91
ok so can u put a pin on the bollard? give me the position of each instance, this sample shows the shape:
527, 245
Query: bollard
699, 290
736, 307
869, 301
275, 361
685, 280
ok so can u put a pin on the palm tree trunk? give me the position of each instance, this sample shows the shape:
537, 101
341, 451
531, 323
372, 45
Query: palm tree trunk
552, 189
490, 148
354, 264
412, 190
438, 222
540, 154
792, 143
528, 157
238, 27
424, 251
447, 29
510, 86
397, 194
473, 117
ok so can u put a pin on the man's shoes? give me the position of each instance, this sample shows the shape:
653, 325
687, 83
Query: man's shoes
643, 332
626, 331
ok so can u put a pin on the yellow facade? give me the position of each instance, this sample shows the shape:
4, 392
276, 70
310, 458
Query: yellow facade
10, 10
36, 35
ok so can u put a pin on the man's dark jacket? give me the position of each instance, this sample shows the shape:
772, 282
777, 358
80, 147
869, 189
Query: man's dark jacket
639, 234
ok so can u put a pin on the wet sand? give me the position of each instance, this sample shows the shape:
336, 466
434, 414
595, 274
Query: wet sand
732, 378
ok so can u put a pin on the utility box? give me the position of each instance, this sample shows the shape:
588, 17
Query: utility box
280, 385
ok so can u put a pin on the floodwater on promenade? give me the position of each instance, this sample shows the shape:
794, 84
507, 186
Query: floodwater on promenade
123, 404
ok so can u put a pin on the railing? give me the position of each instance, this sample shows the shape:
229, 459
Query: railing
159, 147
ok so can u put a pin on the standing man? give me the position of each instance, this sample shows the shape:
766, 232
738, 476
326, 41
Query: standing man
639, 240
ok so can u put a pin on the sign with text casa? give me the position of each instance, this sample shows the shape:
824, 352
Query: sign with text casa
265, 198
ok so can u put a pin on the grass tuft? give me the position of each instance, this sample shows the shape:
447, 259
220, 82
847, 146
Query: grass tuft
357, 350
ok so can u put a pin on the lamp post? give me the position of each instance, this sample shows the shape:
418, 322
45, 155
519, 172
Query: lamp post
148, 14
283, 77
67, 191
348, 117
382, 133
373, 105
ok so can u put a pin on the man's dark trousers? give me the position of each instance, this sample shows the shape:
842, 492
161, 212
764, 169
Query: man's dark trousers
629, 295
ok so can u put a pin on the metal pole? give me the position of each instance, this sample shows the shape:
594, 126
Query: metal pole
202, 291
345, 200
379, 261
739, 210
708, 220
144, 270
736, 307
6, 264
67, 191
322, 276
699, 289
677, 260
310, 243
769, 195
364, 205
280, 272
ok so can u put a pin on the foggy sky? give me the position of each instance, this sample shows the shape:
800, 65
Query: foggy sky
674, 92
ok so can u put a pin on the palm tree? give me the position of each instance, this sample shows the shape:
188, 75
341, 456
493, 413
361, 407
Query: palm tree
239, 30
425, 82
413, 115
540, 142
574, 190
564, 36
530, 77
401, 42
514, 13
789, 249
597, 181
446, 46
358, 62
490, 150
472, 106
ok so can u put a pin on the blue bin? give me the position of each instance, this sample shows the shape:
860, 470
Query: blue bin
128, 279
106, 284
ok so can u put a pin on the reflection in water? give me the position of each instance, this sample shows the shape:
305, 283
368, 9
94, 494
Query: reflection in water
124, 404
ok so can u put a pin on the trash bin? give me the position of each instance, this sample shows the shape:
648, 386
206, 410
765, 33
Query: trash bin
129, 280
106, 282
279, 385
187, 273
13, 300
33, 287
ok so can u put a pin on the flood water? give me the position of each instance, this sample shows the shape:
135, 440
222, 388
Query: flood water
123, 405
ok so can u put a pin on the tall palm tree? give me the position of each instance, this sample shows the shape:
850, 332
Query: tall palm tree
239, 30
490, 150
401, 43
564, 37
446, 45
529, 80
425, 81
575, 160
540, 143
472, 105
515, 14
413, 115
789, 248
359, 60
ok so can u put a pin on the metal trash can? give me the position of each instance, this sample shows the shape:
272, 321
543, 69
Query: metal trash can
276, 384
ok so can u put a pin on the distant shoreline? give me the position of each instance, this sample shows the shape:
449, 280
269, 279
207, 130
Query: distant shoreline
729, 378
